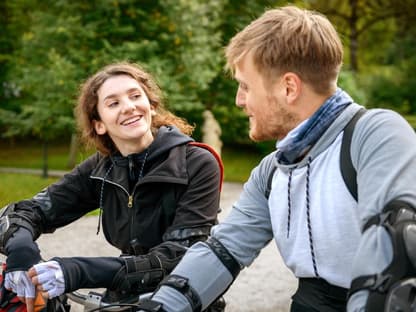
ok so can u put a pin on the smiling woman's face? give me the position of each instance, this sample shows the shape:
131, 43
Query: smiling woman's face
125, 114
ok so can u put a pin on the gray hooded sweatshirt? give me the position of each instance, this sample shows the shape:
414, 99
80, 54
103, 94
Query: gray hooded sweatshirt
313, 211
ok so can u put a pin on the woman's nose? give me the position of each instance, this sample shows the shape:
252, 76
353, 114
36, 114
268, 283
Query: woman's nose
128, 106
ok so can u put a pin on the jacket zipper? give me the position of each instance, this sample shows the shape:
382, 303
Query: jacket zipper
131, 213
130, 201
129, 196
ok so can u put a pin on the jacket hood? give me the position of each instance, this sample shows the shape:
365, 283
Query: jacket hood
166, 138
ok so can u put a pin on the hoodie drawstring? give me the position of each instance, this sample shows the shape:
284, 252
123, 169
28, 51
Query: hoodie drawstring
308, 216
289, 202
101, 198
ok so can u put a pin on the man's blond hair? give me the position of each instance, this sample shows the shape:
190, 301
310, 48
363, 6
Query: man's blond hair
290, 39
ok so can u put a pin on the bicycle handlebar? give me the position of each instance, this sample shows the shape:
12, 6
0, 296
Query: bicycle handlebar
93, 301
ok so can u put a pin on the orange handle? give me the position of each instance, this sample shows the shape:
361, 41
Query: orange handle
40, 302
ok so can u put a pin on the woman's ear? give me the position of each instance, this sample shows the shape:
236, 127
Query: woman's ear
99, 127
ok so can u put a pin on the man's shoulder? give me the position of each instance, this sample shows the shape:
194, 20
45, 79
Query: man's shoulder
382, 123
261, 174
268, 162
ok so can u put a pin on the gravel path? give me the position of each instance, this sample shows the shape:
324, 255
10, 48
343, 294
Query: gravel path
265, 286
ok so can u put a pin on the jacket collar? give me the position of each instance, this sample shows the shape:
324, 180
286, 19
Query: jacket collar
166, 161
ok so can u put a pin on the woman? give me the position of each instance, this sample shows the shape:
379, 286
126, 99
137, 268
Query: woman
157, 194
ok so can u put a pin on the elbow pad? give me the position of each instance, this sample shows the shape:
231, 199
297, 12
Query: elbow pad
391, 286
181, 283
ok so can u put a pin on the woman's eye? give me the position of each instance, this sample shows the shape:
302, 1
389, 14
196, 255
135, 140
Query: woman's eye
112, 104
135, 96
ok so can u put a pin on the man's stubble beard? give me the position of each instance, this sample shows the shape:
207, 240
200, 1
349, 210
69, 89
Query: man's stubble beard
287, 122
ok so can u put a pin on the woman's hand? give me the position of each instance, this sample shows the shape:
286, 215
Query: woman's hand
48, 279
19, 282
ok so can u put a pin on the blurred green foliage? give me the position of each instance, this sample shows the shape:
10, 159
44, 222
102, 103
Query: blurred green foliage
15, 187
48, 48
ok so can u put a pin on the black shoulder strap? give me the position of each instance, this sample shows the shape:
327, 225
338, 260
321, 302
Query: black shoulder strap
269, 182
349, 174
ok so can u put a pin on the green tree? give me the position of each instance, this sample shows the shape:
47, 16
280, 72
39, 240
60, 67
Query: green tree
393, 84
360, 20
65, 42
220, 96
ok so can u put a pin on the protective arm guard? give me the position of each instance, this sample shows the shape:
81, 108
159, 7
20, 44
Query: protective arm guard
10, 222
192, 292
399, 219
142, 274
188, 236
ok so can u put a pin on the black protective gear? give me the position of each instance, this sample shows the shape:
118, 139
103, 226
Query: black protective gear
149, 306
22, 252
399, 219
142, 274
10, 222
402, 296
224, 255
181, 285
217, 306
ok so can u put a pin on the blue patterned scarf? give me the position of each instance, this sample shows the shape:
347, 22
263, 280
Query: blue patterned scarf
298, 142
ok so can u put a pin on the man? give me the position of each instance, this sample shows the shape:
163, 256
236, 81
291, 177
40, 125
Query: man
287, 64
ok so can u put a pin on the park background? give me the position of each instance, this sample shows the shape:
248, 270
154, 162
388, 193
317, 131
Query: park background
49, 47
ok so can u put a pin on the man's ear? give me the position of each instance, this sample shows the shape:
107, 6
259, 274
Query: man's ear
293, 86
99, 127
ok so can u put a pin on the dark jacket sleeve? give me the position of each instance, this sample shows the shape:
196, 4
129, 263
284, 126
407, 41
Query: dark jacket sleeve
89, 272
22, 252
123, 276
198, 206
62, 202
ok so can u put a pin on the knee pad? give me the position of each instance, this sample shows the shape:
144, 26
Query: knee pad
390, 286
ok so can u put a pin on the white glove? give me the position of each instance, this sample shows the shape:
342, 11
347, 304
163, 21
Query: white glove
50, 277
20, 283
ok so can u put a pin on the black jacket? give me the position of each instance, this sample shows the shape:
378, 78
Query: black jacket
175, 199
